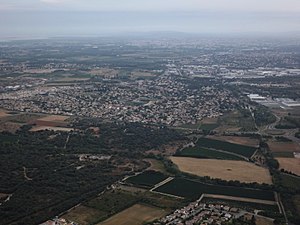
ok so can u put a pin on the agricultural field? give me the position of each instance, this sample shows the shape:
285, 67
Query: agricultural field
242, 150
3, 113
100, 208
148, 178
192, 189
224, 169
290, 164
275, 146
84, 215
263, 221
39, 128
208, 126
204, 153
289, 181
138, 214
248, 141
54, 118
156, 165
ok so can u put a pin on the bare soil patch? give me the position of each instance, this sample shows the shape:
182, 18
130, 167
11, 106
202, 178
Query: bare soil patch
290, 164
3, 113
224, 169
263, 221
54, 118
38, 128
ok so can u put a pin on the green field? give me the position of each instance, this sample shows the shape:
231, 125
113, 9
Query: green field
209, 126
148, 178
283, 154
243, 150
205, 153
192, 189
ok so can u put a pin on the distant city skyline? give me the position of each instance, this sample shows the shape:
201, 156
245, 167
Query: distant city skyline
46, 18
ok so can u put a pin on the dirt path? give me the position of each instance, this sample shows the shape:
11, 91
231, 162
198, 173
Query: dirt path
25, 174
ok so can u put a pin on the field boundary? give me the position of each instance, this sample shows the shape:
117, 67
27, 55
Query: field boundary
162, 183
240, 199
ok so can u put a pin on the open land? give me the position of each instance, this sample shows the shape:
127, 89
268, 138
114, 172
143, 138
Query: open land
148, 178
3, 113
193, 189
283, 146
84, 215
290, 164
253, 142
242, 150
138, 214
52, 118
39, 128
198, 152
224, 169
156, 165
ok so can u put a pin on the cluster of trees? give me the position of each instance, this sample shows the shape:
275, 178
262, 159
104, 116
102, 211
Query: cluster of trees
263, 116
53, 182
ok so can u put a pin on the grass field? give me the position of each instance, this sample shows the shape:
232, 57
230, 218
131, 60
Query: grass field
243, 150
199, 152
208, 126
84, 215
192, 189
290, 181
156, 165
138, 214
224, 169
290, 164
148, 178
252, 142
283, 146
283, 154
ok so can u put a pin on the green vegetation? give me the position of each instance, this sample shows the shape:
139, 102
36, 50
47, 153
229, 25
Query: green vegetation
226, 146
56, 179
192, 189
205, 153
148, 178
209, 126
263, 116
283, 154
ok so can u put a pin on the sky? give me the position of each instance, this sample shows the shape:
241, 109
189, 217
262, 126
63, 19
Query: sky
49, 18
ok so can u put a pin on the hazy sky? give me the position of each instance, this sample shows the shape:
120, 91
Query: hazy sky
34, 18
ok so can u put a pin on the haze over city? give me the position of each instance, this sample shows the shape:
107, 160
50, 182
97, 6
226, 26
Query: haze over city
44, 18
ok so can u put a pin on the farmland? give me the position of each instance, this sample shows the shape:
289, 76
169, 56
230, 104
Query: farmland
39, 128
283, 146
243, 150
224, 169
290, 164
138, 214
248, 141
148, 178
192, 189
199, 152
